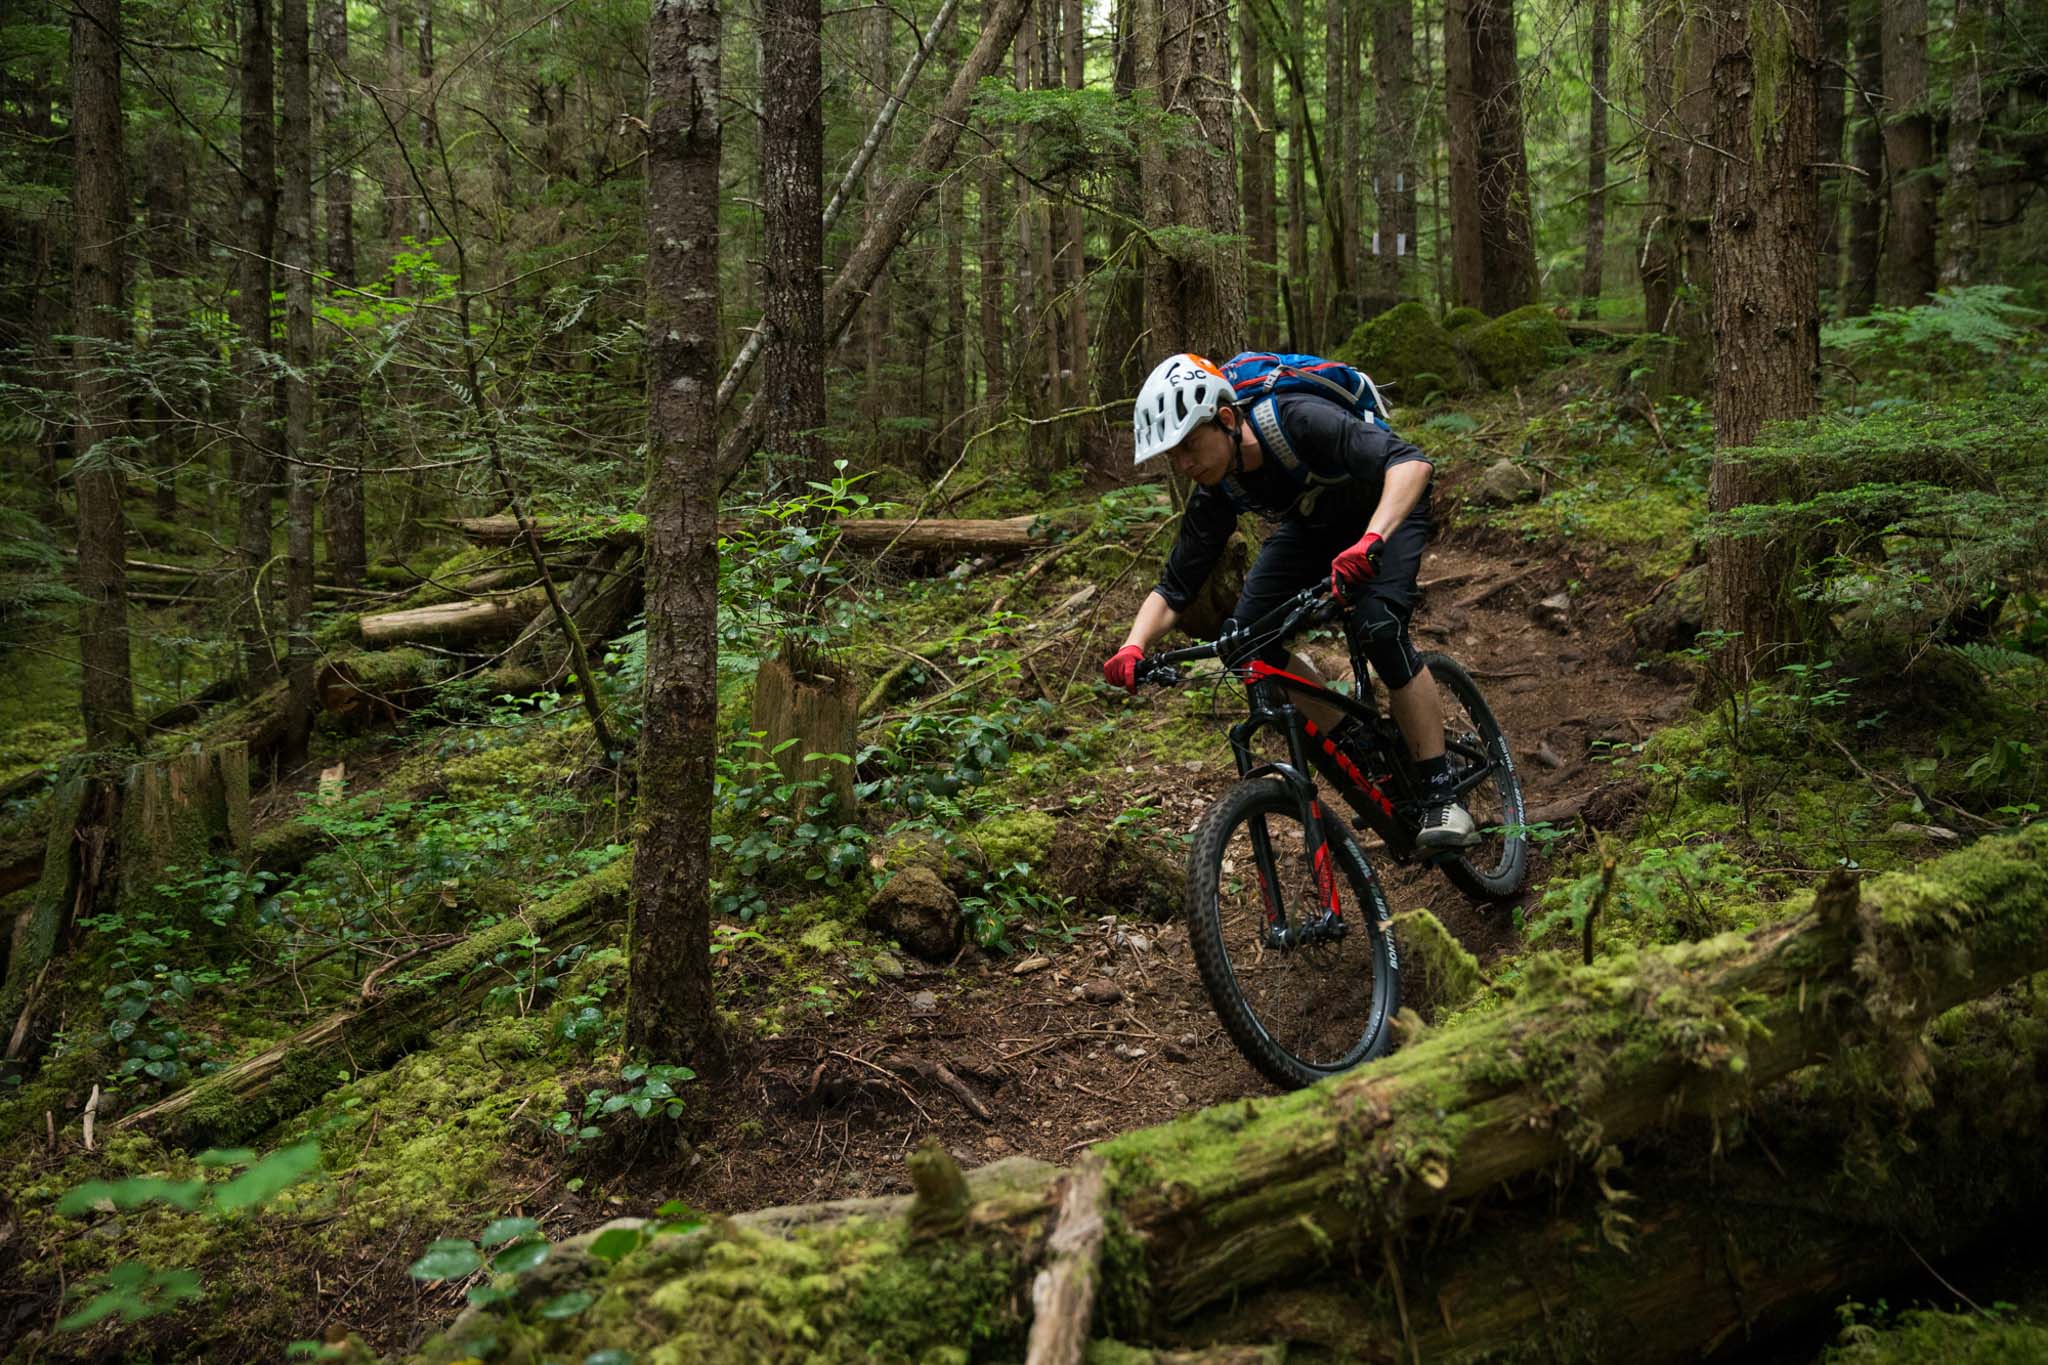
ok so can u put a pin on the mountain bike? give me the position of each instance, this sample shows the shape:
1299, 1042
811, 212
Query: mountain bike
1306, 985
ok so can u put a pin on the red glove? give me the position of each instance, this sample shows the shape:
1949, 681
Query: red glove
1121, 668
1355, 565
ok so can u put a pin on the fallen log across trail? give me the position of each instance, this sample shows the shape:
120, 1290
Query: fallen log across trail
259, 1092
1331, 1185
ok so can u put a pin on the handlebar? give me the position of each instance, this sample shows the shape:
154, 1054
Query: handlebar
1310, 606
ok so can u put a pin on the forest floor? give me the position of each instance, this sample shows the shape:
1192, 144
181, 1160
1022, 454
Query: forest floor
1082, 1019
814, 1114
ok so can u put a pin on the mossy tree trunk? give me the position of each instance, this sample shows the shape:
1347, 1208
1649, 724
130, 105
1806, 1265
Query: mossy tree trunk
1320, 1187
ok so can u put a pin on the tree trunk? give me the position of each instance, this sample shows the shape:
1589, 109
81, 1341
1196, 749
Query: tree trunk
1867, 191
671, 1010
295, 252
1766, 306
1072, 33
1256, 187
258, 213
1677, 259
988, 288
1027, 377
1350, 173
1909, 274
1507, 236
792, 162
1222, 1215
1829, 123
426, 101
1461, 112
1196, 80
906, 193
1396, 135
1596, 169
342, 424
1338, 226
1300, 267
874, 322
397, 187
1963, 201
99, 227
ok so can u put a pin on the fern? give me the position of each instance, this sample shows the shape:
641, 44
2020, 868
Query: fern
1981, 318
1994, 660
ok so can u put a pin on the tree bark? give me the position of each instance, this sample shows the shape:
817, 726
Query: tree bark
342, 422
1072, 34
1829, 123
99, 227
1909, 273
907, 192
1300, 266
1215, 1212
1867, 191
255, 469
874, 318
1766, 305
1507, 235
1596, 168
295, 253
1677, 259
1963, 199
792, 164
1196, 84
671, 1009
397, 188
1461, 113
1396, 135
990, 211
1256, 187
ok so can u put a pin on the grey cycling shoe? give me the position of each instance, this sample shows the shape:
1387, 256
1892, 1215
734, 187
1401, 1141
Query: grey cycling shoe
1446, 825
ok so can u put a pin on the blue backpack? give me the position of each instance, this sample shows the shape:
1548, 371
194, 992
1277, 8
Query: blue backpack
1259, 377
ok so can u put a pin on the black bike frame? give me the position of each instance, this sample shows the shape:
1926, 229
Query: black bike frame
1271, 693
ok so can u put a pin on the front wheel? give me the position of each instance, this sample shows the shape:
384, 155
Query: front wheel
1297, 1010
1495, 868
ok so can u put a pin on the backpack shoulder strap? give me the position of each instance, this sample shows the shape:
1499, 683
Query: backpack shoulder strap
1266, 419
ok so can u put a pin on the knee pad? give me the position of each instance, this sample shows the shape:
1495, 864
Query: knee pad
1381, 632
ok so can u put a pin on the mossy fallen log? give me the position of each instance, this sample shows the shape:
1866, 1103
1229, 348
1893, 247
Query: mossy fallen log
245, 1099
1248, 1197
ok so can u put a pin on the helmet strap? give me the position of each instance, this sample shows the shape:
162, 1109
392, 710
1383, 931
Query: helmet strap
1237, 446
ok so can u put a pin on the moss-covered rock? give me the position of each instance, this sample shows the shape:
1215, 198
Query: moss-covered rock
1115, 874
1458, 319
1401, 345
1516, 347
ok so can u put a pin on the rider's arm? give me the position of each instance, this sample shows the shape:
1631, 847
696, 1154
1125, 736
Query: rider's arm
1155, 618
1403, 488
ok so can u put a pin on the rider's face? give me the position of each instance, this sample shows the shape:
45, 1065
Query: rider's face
1205, 455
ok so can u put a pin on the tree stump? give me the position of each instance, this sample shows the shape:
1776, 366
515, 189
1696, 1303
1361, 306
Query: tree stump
816, 702
183, 813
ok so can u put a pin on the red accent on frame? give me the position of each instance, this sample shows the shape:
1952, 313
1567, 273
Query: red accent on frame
1262, 669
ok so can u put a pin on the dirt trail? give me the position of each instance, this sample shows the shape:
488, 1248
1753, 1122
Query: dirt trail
831, 1112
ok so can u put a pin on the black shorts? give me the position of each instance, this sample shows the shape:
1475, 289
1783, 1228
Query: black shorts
1296, 554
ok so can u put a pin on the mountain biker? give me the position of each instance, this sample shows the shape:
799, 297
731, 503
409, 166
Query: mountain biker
1362, 519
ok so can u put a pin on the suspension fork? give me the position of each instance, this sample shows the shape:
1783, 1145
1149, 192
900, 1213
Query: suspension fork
1310, 809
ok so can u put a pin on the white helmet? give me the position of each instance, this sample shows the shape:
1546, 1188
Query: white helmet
1182, 392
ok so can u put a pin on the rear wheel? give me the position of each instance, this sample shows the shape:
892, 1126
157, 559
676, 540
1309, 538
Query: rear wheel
1304, 1011
1495, 868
